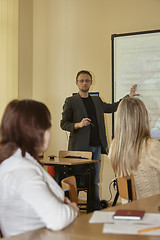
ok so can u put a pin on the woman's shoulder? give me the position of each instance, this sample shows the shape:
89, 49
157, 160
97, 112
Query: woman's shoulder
150, 147
17, 162
153, 152
153, 143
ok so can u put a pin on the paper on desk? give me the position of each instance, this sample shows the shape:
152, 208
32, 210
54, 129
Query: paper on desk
126, 226
101, 217
131, 229
107, 217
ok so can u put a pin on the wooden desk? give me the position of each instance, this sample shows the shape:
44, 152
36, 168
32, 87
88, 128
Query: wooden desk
94, 231
67, 163
81, 229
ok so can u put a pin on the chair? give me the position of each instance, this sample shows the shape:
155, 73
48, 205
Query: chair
69, 184
77, 154
125, 189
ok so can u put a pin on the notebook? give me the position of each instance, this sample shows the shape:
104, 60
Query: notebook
129, 214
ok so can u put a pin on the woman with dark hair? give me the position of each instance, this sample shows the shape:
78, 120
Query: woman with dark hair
30, 198
133, 151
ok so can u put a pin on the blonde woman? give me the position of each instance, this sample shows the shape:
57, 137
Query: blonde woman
133, 151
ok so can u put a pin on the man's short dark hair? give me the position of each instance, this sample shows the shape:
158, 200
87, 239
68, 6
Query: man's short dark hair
83, 72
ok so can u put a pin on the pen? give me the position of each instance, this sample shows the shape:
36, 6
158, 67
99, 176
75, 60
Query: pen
148, 229
92, 124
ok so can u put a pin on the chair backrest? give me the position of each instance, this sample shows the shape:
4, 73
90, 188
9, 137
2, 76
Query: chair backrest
81, 154
126, 188
70, 184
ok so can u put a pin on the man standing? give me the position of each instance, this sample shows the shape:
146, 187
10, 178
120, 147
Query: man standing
83, 117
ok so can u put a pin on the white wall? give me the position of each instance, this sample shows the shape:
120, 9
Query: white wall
8, 52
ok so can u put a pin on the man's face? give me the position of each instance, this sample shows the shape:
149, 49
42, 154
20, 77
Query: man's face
84, 82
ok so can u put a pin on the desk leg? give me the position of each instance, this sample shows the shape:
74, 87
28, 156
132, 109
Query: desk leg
90, 193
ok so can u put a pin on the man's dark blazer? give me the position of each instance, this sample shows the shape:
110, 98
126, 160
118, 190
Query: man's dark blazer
74, 111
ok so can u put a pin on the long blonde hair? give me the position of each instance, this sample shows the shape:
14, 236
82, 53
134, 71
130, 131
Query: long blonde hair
132, 128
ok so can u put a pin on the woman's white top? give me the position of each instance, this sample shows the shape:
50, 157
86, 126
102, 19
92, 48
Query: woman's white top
30, 198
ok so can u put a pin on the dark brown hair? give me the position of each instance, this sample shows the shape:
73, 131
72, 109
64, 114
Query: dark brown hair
83, 72
23, 125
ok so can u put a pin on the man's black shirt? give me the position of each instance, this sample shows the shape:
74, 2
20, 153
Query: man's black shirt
91, 111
